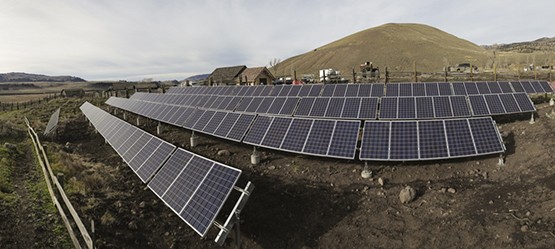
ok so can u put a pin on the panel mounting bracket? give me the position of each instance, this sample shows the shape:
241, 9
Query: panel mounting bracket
233, 218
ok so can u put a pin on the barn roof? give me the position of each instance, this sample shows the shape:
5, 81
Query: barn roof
227, 73
253, 73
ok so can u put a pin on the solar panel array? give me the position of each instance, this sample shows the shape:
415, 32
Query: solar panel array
429, 139
53, 122
194, 187
465, 88
320, 137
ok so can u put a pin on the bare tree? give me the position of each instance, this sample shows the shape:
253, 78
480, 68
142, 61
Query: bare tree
274, 65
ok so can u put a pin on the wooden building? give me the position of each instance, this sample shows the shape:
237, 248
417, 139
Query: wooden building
257, 76
227, 75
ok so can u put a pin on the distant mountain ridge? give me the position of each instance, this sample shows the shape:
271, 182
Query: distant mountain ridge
543, 45
27, 77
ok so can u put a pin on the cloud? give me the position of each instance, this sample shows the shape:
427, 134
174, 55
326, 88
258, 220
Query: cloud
167, 39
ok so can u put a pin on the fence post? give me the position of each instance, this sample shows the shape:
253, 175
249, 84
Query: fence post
494, 72
414, 69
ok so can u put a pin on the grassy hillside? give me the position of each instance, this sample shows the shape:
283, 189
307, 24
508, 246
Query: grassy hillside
396, 46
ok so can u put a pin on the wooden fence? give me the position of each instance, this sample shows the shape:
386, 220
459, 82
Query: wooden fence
52, 180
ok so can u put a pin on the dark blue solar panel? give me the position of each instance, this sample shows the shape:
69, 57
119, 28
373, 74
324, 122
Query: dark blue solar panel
442, 107
242, 90
445, 89
233, 104
187, 111
335, 108
225, 102
319, 138
214, 122
494, 104
284, 90
227, 124
546, 86
404, 141
171, 169
418, 89
344, 140
377, 90
509, 103
517, 87
340, 90
375, 141
460, 106
305, 106
276, 132
315, 90
483, 88
257, 90
276, 105
203, 120
245, 102
265, 105
258, 130
478, 105
432, 141
294, 92
458, 88
240, 127
320, 106
289, 106
352, 90
459, 138
328, 90
217, 102
494, 87
392, 90
406, 108
254, 104
195, 116
405, 89
155, 160
276, 90
388, 108
537, 86
201, 210
432, 89
424, 107
505, 87
351, 108
471, 88
486, 136
266, 90
524, 102
364, 90
527, 87
305, 90
296, 136
250, 91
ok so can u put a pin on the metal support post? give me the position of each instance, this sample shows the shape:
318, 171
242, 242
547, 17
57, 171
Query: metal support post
501, 160
255, 158
159, 128
194, 140
532, 121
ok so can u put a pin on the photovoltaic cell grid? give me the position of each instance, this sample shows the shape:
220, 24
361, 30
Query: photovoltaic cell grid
320, 137
143, 158
52, 122
429, 139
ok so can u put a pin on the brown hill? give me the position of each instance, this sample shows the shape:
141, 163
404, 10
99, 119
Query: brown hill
540, 45
396, 46
27, 77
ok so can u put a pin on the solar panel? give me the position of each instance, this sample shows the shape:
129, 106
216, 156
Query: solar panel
352, 90
460, 106
233, 104
277, 131
392, 90
546, 86
418, 89
527, 87
319, 137
276, 106
432, 141
442, 107
250, 91
471, 88
524, 102
368, 108
296, 136
458, 88
486, 137
388, 108
294, 92
289, 106
509, 102
213, 124
459, 138
375, 141
266, 90
328, 90
494, 87
424, 107
405, 89
305, 90
344, 140
494, 104
445, 89
155, 160
319, 108
240, 127
315, 90
258, 90
53, 122
483, 88
505, 87
432, 89
406, 108
364, 90
227, 123
254, 104
258, 130
305, 106
265, 105
377, 90
244, 104
284, 90
351, 108
517, 86
404, 141
478, 105
203, 120
335, 108
195, 116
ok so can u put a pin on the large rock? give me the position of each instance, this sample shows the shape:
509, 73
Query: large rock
224, 153
407, 195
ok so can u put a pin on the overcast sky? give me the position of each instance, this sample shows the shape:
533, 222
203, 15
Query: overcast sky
170, 39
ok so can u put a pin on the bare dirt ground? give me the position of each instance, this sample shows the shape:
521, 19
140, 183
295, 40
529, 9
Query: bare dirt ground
311, 202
